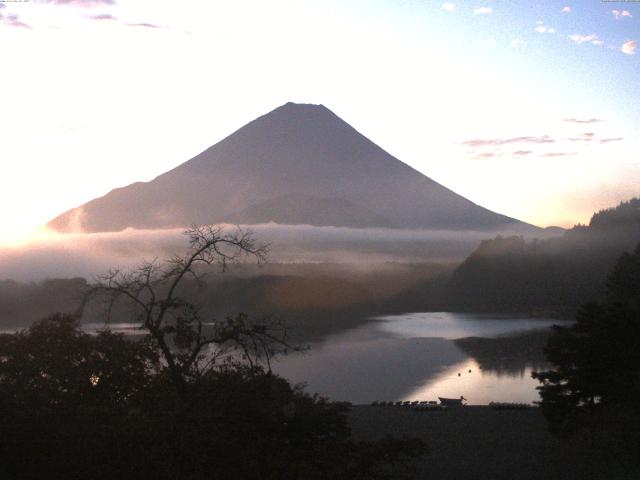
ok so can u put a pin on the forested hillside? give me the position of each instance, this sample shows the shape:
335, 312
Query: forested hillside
549, 277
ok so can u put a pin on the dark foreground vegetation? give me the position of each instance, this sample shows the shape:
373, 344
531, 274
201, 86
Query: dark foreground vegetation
594, 385
76, 406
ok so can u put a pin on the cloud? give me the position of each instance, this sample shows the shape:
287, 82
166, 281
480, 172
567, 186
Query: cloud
482, 10
18, 24
111, 18
80, 3
544, 29
506, 141
516, 42
559, 154
143, 25
584, 137
102, 17
590, 136
566, 10
620, 14
522, 152
449, 7
580, 39
12, 21
577, 120
629, 47
487, 155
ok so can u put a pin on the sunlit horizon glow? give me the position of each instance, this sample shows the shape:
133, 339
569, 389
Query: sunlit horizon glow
20, 239
541, 124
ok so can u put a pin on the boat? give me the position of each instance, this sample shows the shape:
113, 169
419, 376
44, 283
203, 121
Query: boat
452, 402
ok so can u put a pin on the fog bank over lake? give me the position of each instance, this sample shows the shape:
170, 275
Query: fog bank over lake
53, 255
451, 326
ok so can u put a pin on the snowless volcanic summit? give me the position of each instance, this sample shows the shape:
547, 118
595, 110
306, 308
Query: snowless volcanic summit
299, 164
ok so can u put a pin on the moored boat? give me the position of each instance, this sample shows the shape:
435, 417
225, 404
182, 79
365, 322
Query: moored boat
452, 402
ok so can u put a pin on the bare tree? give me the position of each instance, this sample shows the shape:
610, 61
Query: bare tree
189, 344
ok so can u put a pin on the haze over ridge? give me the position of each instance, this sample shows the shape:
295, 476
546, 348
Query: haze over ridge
299, 163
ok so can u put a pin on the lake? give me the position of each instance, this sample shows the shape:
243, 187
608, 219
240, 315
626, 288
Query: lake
415, 357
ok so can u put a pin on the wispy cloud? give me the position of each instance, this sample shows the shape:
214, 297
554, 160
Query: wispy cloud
506, 141
620, 14
12, 21
580, 39
449, 7
566, 10
487, 155
558, 154
585, 137
590, 136
143, 25
523, 152
586, 120
80, 3
102, 17
544, 29
482, 10
629, 47
111, 18
516, 42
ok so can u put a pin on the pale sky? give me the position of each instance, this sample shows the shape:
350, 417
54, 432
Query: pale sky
531, 110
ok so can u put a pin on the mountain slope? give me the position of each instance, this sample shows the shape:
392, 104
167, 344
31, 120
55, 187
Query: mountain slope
295, 151
300, 209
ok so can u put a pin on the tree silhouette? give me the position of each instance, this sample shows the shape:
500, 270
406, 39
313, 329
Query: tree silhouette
595, 383
66, 396
188, 343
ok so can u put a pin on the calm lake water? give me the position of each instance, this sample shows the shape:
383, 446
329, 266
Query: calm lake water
410, 357
413, 357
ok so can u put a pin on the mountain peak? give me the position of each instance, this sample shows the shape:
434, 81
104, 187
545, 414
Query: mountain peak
297, 110
299, 159
307, 106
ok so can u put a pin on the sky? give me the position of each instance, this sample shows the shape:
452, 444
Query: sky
529, 109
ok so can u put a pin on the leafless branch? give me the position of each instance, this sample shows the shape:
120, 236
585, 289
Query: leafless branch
174, 323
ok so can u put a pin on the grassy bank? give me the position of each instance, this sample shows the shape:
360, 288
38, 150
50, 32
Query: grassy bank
480, 443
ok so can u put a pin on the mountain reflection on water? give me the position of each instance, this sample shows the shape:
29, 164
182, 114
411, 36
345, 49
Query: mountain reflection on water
422, 356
